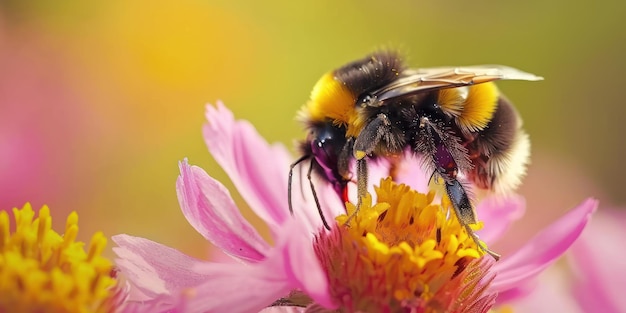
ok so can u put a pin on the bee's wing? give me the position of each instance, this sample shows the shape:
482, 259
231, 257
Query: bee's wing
419, 80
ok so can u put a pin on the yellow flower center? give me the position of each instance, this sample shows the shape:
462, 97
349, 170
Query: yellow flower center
404, 254
42, 271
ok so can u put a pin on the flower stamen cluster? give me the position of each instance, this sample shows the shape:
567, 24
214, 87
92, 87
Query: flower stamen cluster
43, 271
404, 253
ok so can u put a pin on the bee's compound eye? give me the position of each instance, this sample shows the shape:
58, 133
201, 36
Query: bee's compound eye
327, 144
323, 151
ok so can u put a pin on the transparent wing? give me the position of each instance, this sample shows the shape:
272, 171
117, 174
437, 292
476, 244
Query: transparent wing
424, 79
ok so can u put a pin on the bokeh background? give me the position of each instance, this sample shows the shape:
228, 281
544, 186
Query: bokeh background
99, 100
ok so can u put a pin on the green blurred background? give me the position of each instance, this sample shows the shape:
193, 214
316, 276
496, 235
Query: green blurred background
99, 100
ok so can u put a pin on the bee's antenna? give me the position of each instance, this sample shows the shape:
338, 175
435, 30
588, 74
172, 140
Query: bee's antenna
289, 182
309, 177
317, 202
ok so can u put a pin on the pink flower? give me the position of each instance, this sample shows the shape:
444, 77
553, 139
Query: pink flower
598, 264
516, 272
592, 278
261, 273
42, 270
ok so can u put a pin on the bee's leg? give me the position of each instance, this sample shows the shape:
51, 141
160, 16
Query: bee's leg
445, 165
461, 203
371, 135
364, 145
361, 172
369, 140
439, 146
465, 212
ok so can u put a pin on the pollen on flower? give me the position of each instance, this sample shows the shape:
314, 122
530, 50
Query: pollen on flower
404, 254
43, 271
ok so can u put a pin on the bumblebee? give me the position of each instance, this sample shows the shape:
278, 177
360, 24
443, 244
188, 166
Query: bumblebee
456, 119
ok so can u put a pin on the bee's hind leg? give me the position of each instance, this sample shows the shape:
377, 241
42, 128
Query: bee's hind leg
465, 212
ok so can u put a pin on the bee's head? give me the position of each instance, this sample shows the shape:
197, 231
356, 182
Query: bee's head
327, 141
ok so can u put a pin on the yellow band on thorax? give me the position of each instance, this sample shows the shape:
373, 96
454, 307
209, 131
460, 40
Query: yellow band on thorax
332, 100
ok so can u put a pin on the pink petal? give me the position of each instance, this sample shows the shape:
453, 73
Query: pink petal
302, 265
291, 265
551, 293
154, 268
260, 172
160, 304
497, 214
177, 283
227, 288
237, 290
599, 265
283, 309
257, 169
543, 249
411, 172
209, 208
